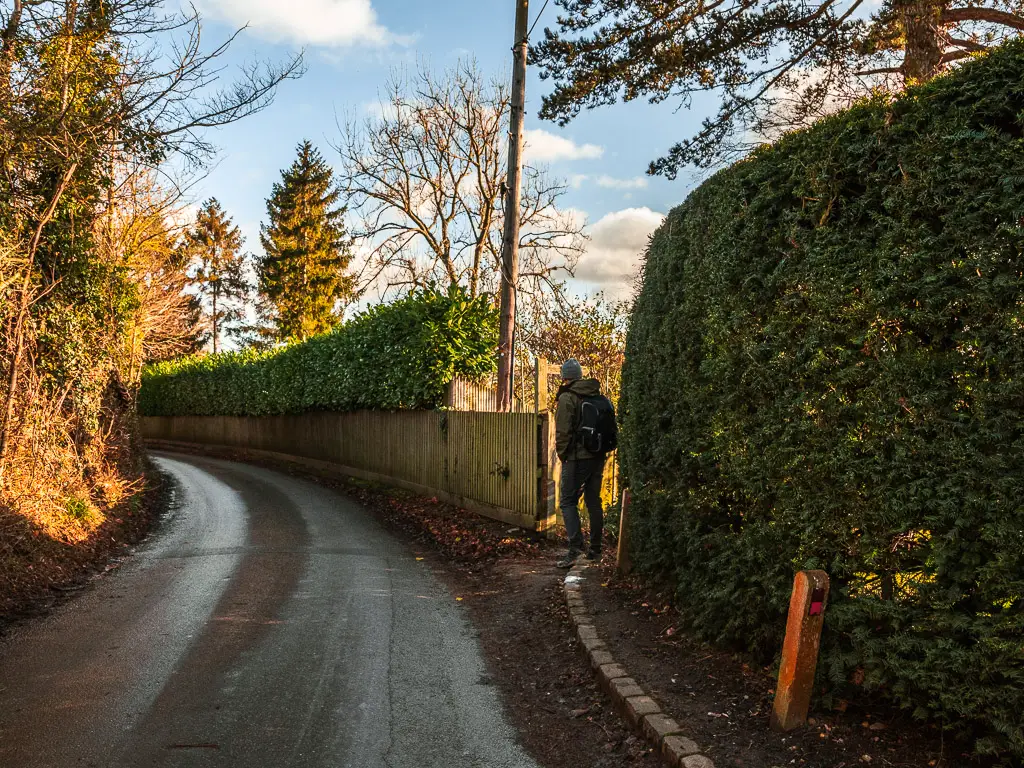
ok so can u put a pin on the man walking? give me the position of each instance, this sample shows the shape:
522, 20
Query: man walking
585, 432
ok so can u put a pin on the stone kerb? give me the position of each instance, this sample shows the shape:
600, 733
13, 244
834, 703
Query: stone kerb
642, 712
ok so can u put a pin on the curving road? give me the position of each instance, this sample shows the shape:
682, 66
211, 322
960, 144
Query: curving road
270, 623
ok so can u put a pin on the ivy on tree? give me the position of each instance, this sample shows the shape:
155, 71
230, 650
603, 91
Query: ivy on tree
85, 115
303, 275
217, 268
774, 64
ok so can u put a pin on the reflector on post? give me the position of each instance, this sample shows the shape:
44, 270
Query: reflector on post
800, 651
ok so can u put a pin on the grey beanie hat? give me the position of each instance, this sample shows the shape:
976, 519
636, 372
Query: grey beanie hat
572, 370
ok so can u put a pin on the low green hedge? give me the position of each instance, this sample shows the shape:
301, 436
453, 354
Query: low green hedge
391, 356
825, 369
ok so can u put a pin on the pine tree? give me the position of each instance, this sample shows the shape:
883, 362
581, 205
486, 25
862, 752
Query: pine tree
214, 249
303, 274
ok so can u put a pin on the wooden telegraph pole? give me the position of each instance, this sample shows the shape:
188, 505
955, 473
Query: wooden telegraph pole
510, 240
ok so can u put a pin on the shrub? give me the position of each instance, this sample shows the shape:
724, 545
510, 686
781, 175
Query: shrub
392, 356
825, 369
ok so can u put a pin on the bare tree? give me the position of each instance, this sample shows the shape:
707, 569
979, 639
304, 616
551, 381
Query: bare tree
426, 177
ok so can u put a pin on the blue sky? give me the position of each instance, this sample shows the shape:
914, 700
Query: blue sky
351, 47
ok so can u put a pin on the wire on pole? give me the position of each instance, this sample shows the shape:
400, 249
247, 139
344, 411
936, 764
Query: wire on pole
537, 20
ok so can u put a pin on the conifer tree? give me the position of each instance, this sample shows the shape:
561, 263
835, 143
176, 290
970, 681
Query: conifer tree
303, 274
214, 248
772, 65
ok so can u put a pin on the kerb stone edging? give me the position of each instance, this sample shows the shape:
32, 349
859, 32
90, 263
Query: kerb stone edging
642, 712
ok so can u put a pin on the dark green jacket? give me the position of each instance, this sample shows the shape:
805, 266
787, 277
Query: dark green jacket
567, 416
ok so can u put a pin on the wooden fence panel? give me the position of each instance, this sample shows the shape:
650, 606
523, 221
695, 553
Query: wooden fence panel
492, 457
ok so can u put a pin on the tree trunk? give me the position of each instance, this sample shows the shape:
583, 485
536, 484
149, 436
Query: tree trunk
478, 249
7, 49
925, 40
216, 330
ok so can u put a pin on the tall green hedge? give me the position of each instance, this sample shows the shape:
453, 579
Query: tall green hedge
392, 356
825, 369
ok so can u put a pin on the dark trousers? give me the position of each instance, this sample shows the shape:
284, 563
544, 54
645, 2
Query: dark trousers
582, 477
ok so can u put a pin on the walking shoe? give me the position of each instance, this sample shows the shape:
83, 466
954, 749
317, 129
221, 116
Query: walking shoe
593, 556
568, 561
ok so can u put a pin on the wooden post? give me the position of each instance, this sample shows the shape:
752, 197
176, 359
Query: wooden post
556, 468
800, 651
622, 559
548, 491
513, 193
541, 385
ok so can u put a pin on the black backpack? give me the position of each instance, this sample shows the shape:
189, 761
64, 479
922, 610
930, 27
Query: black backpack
598, 432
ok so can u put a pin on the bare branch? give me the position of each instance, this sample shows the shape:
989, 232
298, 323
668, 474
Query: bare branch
968, 45
948, 58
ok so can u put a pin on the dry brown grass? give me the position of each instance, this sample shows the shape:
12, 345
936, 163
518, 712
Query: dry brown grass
62, 487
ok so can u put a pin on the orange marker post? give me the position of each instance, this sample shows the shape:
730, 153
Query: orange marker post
625, 564
800, 652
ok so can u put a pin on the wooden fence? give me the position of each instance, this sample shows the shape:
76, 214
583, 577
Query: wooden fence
466, 395
531, 392
498, 464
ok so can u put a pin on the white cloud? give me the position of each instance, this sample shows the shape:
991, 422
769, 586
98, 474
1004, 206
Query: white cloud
545, 147
380, 110
577, 180
616, 247
305, 22
638, 182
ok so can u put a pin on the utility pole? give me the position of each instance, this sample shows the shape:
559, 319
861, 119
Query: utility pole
510, 240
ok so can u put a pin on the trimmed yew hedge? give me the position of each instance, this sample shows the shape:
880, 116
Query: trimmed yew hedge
392, 356
825, 369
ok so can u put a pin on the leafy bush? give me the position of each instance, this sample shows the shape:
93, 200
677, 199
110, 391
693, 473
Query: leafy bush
825, 369
392, 356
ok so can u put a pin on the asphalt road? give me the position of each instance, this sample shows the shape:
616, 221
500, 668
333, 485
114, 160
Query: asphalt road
271, 622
